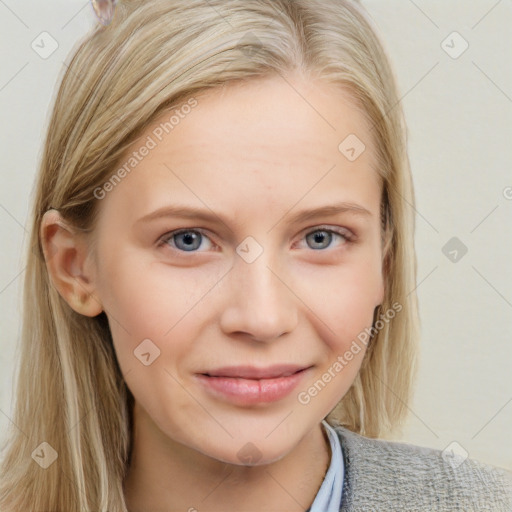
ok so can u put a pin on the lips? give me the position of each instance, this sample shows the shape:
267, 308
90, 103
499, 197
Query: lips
256, 388
251, 372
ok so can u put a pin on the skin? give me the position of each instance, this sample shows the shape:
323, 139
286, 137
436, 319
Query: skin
256, 153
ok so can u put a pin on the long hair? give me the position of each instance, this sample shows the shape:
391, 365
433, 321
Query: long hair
152, 57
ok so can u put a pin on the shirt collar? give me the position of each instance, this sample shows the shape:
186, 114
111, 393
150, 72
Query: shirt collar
328, 498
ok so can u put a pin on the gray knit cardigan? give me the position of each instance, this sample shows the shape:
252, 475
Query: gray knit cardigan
388, 476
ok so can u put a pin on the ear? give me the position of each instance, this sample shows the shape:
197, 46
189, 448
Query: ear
66, 255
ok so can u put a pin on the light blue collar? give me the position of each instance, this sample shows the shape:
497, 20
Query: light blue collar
328, 498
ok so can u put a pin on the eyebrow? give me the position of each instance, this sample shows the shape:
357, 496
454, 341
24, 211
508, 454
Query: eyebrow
208, 215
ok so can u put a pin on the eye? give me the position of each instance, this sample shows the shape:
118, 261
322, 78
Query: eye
321, 238
188, 240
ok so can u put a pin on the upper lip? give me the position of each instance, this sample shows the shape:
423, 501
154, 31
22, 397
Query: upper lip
251, 372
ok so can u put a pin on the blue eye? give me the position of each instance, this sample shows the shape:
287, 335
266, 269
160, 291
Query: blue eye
190, 240
324, 237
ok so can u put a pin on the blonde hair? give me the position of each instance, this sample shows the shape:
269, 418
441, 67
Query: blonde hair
154, 55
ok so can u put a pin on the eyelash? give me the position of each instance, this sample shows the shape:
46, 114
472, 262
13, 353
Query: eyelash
347, 235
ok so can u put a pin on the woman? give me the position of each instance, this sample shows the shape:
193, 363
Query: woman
219, 306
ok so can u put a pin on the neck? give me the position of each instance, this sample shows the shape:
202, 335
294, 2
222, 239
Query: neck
167, 476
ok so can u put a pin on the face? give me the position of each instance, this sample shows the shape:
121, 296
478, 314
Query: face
249, 280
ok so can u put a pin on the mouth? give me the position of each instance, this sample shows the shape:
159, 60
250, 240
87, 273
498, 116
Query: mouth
244, 391
253, 373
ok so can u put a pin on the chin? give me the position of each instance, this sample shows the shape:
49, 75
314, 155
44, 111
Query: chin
248, 455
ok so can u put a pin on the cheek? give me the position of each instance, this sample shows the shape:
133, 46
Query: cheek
343, 297
153, 324
343, 305
156, 302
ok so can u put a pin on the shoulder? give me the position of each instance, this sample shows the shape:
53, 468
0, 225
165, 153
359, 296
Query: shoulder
391, 475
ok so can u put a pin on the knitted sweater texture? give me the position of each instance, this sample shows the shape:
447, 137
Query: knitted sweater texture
389, 476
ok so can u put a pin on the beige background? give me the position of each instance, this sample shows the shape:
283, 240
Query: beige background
459, 112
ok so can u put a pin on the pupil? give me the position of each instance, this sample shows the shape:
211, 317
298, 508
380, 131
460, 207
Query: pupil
187, 240
321, 237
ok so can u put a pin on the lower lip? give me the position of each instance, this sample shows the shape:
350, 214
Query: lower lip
251, 391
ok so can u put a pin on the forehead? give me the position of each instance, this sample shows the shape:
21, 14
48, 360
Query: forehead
265, 143
286, 117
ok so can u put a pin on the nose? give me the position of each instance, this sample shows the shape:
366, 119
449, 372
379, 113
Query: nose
259, 304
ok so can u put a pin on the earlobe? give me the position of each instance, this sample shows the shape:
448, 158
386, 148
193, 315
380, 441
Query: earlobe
65, 252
